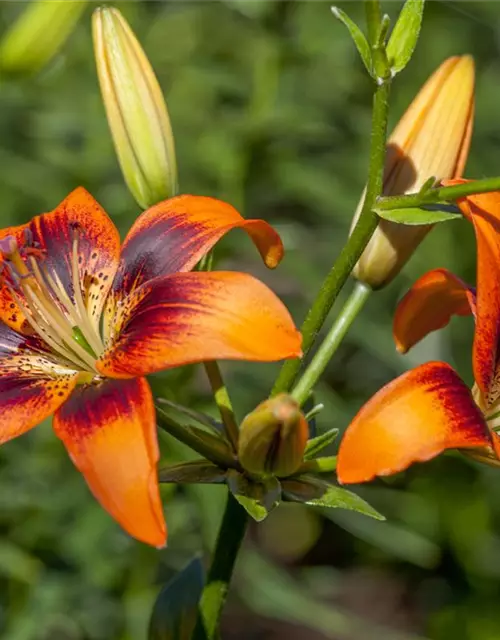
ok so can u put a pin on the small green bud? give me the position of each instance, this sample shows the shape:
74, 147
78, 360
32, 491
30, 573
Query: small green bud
136, 110
273, 438
38, 35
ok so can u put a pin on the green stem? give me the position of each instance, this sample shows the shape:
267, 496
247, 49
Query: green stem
350, 254
223, 402
231, 534
373, 13
334, 337
447, 194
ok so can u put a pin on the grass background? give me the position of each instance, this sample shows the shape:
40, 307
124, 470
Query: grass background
271, 111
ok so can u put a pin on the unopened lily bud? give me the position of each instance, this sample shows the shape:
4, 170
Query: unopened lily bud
273, 438
38, 35
136, 110
432, 139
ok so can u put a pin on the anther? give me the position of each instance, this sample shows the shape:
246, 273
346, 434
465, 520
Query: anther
8, 246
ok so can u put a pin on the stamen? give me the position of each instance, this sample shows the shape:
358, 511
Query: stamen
90, 334
46, 305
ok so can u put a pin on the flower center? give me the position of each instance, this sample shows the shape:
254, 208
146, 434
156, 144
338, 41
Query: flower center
61, 320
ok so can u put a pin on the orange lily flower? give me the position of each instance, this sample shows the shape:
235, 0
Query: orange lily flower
83, 321
430, 409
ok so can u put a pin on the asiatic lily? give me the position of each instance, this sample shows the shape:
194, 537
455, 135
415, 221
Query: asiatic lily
82, 321
430, 408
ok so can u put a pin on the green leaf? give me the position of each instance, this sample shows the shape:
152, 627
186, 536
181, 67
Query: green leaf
197, 416
320, 493
426, 214
315, 445
193, 471
405, 34
358, 37
258, 498
327, 464
174, 612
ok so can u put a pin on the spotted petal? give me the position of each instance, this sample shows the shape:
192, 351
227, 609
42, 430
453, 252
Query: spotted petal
412, 419
429, 305
109, 430
193, 317
98, 247
32, 386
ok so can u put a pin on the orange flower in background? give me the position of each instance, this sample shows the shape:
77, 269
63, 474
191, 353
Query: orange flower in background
83, 321
430, 409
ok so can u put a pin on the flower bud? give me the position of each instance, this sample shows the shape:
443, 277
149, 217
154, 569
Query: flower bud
432, 139
37, 35
136, 111
273, 438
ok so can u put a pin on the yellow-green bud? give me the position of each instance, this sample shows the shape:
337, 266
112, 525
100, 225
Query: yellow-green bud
136, 110
273, 438
37, 35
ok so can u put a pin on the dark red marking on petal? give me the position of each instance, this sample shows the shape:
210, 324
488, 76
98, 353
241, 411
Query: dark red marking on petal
109, 430
412, 419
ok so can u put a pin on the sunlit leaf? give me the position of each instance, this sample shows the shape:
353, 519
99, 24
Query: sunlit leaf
258, 498
320, 493
426, 214
316, 445
405, 34
358, 37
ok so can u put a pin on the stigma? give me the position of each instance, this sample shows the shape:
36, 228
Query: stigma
59, 317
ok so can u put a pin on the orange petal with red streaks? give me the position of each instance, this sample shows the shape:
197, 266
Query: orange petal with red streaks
194, 317
483, 210
98, 247
32, 386
429, 305
109, 430
175, 234
412, 419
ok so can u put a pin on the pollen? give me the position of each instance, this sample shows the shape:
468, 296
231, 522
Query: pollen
59, 317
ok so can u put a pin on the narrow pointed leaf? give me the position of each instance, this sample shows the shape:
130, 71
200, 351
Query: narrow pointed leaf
320, 493
258, 498
358, 37
405, 34
426, 214
201, 471
326, 465
201, 418
175, 609
316, 445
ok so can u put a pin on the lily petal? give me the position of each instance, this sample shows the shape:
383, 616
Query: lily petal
193, 317
109, 430
32, 387
98, 247
412, 419
483, 210
10, 313
429, 305
175, 234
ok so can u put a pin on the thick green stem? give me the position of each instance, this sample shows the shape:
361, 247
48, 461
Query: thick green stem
441, 194
223, 401
231, 534
336, 334
350, 254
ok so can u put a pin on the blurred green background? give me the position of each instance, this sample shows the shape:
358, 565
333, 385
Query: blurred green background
271, 111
